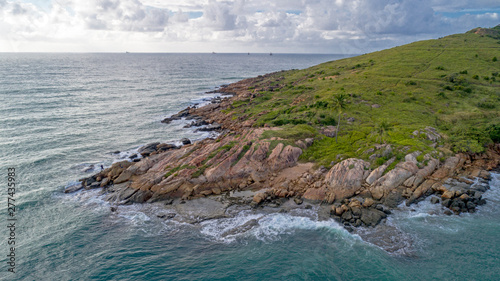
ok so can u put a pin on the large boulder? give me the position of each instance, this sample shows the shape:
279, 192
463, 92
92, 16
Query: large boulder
123, 177
117, 168
396, 177
372, 216
281, 158
448, 169
148, 149
422, 174
346, 178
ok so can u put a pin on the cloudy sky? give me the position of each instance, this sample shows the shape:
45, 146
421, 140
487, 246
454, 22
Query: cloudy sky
288, 26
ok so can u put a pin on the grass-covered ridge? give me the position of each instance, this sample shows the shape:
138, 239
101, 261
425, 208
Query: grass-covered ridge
451, 84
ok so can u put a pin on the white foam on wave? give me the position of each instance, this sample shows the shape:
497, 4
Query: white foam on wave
91, 199
493, 193
492, 196
275, 225
207, 99
125, 155
270, 227
426, 214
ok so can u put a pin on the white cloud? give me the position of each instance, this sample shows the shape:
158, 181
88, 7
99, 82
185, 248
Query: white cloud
235, 25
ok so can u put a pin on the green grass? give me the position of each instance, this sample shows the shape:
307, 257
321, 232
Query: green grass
450, 84
293, 132
174, 171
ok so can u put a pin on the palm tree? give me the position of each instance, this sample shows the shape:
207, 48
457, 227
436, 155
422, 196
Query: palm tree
339, 103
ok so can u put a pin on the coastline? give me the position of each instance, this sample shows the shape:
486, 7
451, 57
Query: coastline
242, 171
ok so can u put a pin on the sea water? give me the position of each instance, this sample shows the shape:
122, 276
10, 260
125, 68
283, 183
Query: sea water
64, 115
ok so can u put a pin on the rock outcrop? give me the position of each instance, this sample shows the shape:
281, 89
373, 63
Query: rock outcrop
239, 159
346, 178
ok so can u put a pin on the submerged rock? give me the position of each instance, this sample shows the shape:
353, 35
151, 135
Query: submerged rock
242, 228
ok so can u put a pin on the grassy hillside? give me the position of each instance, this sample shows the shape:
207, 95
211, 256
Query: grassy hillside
451, 84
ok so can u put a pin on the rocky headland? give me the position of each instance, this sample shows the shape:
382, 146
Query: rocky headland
242, 169
349, 140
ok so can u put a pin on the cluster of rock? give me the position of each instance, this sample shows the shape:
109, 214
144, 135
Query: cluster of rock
463, 195
356, 213
156, 147
240, 160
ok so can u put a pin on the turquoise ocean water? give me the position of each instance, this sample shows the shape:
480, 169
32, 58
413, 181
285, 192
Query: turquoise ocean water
61, 113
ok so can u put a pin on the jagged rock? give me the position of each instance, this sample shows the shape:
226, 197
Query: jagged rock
165, 146
315, 194
298, 201
368, 202
281, 158
423, 173
259, 197
379, 171
301, 144
73, 188
185, 141
93, 185
141, 196
424, 189
212, 127
242, 228
347, 215
148, 149
346, 178
197, 123
449, 167
432, 134
397, 176
371, 216
124, 176
448, 195
412, 157
446, 202
120, 192
393, 198
116, 169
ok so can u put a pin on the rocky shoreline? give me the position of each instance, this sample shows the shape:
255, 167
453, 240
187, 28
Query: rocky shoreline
239, 169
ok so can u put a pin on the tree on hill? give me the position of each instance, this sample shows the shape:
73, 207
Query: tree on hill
339, 104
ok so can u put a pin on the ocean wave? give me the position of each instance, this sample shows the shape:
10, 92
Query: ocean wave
264, 227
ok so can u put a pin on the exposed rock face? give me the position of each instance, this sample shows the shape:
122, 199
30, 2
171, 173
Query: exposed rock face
346, 178
423, 173
378, 172
240, 160
393, 179
315, 194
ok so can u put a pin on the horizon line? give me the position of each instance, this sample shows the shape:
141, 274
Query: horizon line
214, 53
